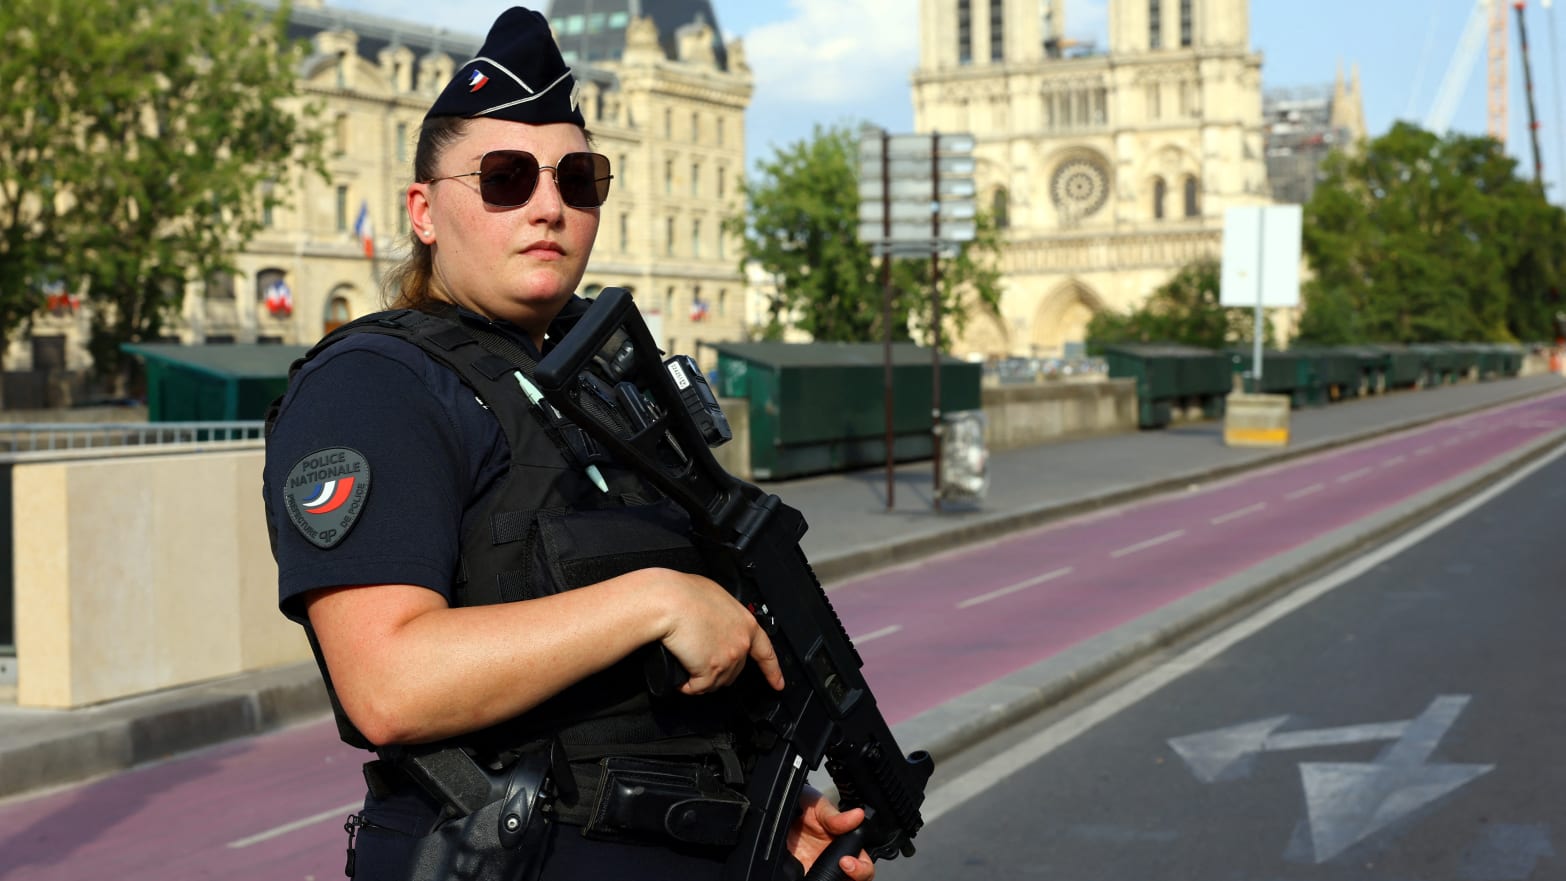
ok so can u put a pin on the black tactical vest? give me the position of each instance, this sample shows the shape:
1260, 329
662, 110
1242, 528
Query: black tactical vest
550, 528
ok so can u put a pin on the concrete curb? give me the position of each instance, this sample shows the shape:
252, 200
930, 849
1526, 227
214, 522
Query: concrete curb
38, 752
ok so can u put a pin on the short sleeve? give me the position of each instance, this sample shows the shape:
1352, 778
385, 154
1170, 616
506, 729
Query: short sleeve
409, 424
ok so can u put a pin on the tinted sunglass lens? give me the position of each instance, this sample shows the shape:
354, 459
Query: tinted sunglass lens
583, 179
507, 178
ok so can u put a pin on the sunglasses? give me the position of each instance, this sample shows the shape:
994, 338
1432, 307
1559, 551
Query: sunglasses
507, 178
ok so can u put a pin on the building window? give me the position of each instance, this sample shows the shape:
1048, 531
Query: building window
1160, 192
696, 238
1155, 37
723, 301
1101, 107
1193, 206
997, 30
625, 233
668, 300
1185, 23
695, 127
337, 312
722, 181
720, 131
964, 32
668, 123
220, 286
1000, 207
620, 170
668, 237
340, 134
695, 178
402, 142
668, 177
342, 209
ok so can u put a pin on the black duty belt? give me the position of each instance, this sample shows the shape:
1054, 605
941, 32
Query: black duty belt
616, 798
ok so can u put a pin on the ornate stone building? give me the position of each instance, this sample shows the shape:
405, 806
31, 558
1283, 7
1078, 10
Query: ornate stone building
1111, 169
665, 100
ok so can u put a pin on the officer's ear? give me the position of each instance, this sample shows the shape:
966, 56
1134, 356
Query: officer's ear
419, 214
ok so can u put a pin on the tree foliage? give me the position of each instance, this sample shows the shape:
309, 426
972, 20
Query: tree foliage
1183, 310
1420, 238
139, 135
802, 230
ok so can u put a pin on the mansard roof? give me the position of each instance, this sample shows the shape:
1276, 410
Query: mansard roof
594, 30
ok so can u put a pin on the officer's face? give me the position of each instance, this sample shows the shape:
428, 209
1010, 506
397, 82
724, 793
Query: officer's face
520, 264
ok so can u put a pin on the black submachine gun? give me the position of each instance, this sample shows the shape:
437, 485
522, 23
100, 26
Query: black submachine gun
606, 376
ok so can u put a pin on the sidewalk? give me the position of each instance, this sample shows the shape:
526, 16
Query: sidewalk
852, 531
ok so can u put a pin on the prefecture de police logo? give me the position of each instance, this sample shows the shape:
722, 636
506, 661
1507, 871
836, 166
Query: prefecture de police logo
325, 494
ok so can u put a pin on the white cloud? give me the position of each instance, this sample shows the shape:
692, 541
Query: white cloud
835, 52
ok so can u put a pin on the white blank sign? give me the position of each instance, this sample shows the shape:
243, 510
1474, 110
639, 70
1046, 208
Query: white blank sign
1261, 256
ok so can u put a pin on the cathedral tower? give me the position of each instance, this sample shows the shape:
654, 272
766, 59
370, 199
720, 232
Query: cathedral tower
1110, 166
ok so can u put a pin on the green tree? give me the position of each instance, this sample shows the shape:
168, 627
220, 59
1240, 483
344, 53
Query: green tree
1183, 310
141, 137
1419, 238
802, 229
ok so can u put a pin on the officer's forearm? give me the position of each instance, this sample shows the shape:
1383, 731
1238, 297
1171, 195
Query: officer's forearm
409, 669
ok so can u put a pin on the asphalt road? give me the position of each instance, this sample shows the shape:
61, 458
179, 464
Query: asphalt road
271, 808
1401, 720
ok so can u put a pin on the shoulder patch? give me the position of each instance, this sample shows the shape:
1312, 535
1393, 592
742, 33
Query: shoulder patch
325, 494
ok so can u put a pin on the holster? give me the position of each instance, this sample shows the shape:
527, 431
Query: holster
500, 840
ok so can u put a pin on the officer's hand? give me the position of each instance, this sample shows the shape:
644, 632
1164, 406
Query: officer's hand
712, 635
819, 822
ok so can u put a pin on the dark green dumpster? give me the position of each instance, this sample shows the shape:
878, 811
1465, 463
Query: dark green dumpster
1337, 370
1283, 373
819, 407
213, 382
1169, 376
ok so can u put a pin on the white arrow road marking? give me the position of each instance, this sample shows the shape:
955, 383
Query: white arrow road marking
1150, 543
1355, 475
1021, 585
1345, 802
1225, 752
1302, 493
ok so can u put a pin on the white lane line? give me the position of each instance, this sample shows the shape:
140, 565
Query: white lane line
1424, 451
1021, 585
1235, 515
1302, 493
877, 634
1395, 460
1355, 475
286, 828
1150, 543
1006, 765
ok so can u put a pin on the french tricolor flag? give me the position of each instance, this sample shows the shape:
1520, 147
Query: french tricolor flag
476, 80
365, 230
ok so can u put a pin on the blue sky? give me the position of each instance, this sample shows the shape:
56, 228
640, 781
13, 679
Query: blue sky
845, 61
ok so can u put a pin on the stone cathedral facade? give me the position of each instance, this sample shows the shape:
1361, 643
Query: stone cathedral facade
1109, 169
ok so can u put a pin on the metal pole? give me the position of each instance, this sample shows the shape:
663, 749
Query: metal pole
935, 309
1261, 278
886, 308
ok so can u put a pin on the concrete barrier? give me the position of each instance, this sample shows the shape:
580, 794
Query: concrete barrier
138, 570
1024, 415
1252, 420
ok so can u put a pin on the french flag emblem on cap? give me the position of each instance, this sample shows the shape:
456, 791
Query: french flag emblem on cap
477, 81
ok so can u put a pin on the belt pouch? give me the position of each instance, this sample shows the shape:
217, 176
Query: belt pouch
650, 801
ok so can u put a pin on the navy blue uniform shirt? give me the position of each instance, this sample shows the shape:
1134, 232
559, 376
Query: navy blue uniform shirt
431, 448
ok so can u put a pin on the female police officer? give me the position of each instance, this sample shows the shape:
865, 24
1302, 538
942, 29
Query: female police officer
383, 472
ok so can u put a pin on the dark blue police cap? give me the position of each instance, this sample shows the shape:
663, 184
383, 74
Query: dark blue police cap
518, 75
